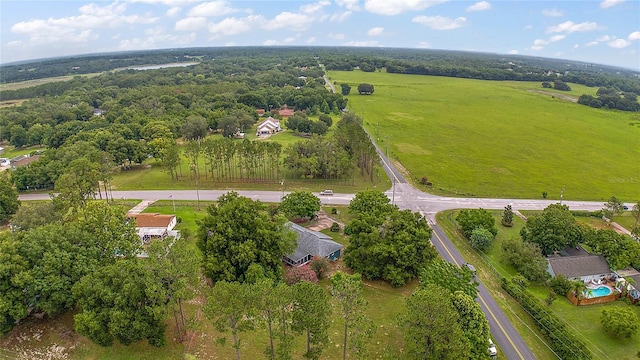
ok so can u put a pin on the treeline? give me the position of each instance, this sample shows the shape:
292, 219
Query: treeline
610, 98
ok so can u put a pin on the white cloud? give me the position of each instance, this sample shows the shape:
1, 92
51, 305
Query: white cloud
439, 22
634, 36
575, 46
375, 31
619, 43
349, 4
395, 7
362, 43
604, 38
155, 39
311, 40
609, 3
340, 17
174, 11
556, 38
538, 44
552, 12
164, 2
537, 48
513, 52
79, 29
571, 27
528, 27
335, 36
480, 6
314, 8
590, 44
233, 26
191, 24
423, 45
270, 42
213, 9
290, 21
289, 40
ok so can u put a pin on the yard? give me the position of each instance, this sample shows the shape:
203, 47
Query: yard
584, 320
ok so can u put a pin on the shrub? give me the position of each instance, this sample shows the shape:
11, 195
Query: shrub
560, 284
424, 180
481, 238
320, 266
334, 211
335, 227
551, 297
294, 275
544, 194
621, 322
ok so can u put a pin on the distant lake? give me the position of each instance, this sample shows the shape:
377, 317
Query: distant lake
155, 67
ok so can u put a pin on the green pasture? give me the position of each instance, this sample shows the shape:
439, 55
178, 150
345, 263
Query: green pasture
10, 151
584, 320
499, 139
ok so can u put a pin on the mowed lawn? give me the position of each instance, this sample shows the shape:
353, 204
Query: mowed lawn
500, 139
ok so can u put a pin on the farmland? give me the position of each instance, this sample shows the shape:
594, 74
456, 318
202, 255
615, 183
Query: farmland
499, 139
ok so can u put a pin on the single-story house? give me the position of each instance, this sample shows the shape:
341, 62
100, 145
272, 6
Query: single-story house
630, 278
268, 126
580, 267
23, 160
285, 112
311, 244
154, 226
260, 112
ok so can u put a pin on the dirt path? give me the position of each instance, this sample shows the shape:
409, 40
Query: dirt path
324, 221
560, 96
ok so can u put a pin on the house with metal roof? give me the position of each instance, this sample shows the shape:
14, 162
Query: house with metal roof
268, 126
580, 267
311, 244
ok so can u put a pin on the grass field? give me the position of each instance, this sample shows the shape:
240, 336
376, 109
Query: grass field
500, 139
584, 320
32, 83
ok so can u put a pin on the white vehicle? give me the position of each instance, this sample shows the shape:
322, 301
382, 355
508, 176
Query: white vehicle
5, 162
326, 192
492, 348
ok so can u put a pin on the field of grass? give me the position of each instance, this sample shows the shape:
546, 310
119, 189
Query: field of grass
499, 139
585, 320
32, 83
11, 152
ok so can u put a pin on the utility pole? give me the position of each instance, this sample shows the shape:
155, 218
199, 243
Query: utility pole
282, 183
386, 142
174, 202
561, 195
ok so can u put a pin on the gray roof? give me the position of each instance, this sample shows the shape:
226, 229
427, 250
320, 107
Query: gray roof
312, 243
577, 266
636, 278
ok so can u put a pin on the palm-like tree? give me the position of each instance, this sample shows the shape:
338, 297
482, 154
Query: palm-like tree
580, 289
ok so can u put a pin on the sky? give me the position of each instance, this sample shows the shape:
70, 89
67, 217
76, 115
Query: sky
595, 31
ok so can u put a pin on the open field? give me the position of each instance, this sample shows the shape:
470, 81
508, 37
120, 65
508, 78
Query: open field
584, 320
499, 139
32, 83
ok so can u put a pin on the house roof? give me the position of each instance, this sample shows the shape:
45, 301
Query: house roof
286, 112
577, 266
636, 278
152, 220
269, 123
23, 160
312, 243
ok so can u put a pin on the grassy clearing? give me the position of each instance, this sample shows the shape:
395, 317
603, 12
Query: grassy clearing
32, 83
585, 320
499, 139
152, 176
11, 152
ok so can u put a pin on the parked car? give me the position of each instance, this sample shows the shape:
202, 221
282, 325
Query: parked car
471, 267
326, 192
492, 348
625, 207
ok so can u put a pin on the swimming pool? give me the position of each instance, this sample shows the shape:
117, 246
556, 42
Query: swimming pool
599, 291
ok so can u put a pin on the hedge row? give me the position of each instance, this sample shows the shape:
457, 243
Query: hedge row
563, 341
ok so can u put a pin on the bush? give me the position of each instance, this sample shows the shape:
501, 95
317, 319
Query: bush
551, 297
334, 211
560, 285
320, 266
335, 227
544, 194
621, 322
294, 275
481, 239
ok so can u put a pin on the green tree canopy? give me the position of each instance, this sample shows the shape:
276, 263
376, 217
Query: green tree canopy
236, 233
475, 326
123, 302
553, 230
526, 257
365, 89
470, 219
481, 238
620, 321
449, 276
300, 204
371, 202
347, 293
432, 326
9, 202
394, 251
